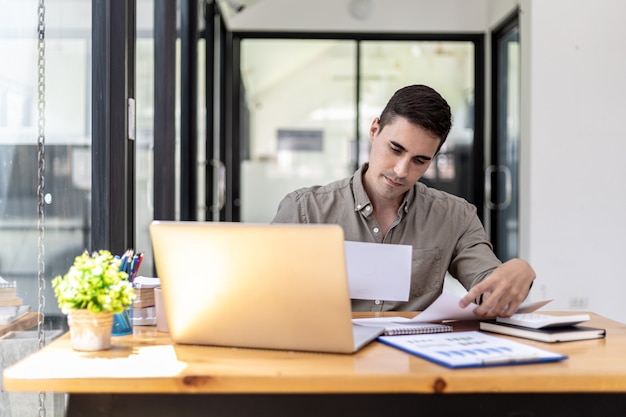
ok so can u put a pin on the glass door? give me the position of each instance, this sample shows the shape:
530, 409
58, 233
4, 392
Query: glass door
448, 67
299, 96
301, 107
501, 178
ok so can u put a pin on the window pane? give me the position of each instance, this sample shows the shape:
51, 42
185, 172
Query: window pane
68, 142
448, 67
300, 95
144, 162
144, 144
504, 203
67, 174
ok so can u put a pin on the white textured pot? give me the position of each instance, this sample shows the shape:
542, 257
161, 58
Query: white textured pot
90, 331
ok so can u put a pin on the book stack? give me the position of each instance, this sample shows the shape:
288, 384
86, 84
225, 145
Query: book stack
11, 306
144, 297
8, 294
144, 310
544, 327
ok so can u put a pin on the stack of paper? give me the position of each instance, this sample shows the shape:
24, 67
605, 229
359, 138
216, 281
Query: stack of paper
8, 294
8, 314
144, 310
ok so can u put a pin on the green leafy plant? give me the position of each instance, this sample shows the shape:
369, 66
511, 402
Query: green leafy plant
94, 282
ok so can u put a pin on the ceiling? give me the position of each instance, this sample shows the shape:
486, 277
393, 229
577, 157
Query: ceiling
230, 8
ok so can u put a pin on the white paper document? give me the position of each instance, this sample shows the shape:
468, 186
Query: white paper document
470, 349
378, 271
146, 282
447, 307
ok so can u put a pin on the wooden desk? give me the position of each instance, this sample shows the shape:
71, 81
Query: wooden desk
146, 373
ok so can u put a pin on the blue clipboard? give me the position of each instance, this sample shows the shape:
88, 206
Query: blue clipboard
470, 349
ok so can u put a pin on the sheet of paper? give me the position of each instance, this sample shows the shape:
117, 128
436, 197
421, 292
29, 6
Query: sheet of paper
378, 271
446, 307
530, 307
146, 282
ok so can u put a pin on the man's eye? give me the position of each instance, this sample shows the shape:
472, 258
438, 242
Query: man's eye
395, 150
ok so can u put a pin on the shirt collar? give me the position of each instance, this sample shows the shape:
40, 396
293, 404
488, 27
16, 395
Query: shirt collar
409, 197
362, 201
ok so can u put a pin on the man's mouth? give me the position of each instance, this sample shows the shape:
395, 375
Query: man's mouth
392, 182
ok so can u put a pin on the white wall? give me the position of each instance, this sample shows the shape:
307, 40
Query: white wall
573, 202
384, 15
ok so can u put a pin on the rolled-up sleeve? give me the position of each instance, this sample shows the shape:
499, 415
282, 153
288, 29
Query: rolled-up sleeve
473, 258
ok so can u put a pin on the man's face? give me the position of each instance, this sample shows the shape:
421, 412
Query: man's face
399, 156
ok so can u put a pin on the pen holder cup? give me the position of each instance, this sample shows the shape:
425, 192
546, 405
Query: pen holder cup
123, 323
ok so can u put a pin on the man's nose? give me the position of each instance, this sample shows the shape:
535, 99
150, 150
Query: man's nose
402, 167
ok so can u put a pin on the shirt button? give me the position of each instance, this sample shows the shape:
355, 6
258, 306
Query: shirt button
358, 207
368, 208
377, 302
376, 230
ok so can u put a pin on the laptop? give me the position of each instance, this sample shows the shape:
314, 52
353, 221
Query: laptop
269, 286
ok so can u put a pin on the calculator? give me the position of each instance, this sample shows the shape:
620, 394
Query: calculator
540, 320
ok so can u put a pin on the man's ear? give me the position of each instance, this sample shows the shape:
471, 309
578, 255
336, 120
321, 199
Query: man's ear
374, 128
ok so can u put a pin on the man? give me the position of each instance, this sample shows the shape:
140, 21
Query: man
383, 202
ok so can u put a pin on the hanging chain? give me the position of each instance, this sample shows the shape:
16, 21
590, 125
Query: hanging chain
41, 141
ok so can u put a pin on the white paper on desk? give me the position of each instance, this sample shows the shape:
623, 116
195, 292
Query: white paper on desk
146, 282
378, 271
446, 307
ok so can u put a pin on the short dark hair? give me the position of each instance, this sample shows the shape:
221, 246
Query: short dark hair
420, 105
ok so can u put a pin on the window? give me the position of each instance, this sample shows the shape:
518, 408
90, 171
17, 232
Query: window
68, 142
323, 89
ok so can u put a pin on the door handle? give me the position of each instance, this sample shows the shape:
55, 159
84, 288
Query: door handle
508, 187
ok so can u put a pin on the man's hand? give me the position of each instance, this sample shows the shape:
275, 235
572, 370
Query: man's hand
503, 291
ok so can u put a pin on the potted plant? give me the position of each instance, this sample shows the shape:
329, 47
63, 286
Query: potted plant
90, 293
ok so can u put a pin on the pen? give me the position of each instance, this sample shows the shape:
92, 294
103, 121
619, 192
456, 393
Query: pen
133, 265
123, 264
137, 259
126, 261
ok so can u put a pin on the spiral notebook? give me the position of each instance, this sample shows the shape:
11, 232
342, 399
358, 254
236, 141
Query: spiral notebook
395, 326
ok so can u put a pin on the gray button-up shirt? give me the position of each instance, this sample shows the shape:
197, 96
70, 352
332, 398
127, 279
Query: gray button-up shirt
444, 231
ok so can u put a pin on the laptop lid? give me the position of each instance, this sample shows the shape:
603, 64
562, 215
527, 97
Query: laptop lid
274, 286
